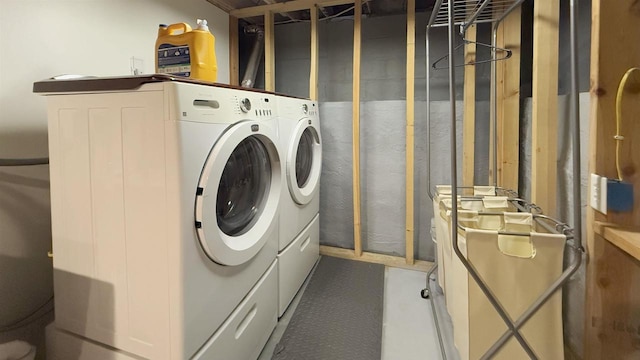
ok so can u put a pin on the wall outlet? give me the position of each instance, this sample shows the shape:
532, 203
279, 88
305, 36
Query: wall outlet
137, 66
598, 193
603, 195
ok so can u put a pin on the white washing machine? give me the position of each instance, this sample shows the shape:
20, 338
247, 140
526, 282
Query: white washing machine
165, 218
301, 145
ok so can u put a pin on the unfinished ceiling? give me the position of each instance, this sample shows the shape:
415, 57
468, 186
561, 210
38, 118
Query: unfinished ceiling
369, 8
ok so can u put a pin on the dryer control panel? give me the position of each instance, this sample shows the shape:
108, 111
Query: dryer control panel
295, 108
310, 109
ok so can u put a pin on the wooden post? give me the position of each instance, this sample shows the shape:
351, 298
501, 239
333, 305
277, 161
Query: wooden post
269, 53
469, 113
545, 105
613, 261
313, 76
234, 67
357, 230
508, 98
410, 95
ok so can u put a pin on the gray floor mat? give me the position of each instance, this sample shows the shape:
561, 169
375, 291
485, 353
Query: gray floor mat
339, 315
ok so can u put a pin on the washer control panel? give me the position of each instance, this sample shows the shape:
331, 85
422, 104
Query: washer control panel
245, 105
194, 102
257, 106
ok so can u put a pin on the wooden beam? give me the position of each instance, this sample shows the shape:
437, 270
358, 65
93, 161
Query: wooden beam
616, 53
313, 76
593, 346
387, 260
269, 53
492, 111
410, 95
234, 48
627, 240
508, 98
357, 226
223, 5
612, 325
285, 6
613, 291
469, 112
545, 105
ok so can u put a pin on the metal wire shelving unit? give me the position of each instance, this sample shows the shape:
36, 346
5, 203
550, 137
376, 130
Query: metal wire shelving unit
470, 12
461, 14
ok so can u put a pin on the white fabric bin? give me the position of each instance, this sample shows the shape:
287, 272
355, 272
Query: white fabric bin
517, 269
442, 203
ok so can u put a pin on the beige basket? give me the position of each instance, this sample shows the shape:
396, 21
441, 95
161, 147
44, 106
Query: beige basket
442, 203
517, 269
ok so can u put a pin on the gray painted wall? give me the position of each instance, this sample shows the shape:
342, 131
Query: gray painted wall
383, 167
383, 69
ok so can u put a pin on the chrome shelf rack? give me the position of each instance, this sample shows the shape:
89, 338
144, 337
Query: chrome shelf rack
470, 12
461, 14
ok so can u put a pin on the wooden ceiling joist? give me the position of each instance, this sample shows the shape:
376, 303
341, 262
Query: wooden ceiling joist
287, 14
222, 4
283, 7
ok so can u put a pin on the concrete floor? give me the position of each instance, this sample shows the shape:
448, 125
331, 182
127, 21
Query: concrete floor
408, 329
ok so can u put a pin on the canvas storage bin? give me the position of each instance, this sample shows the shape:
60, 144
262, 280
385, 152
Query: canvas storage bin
517, 269
441, 204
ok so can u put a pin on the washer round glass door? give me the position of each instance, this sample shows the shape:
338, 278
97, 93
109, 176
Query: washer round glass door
304, 161
245, 181
237, 196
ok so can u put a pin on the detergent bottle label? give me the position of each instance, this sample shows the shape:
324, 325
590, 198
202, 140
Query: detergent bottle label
174, 60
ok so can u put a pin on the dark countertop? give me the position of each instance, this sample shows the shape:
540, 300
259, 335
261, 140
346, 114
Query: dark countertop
122, 83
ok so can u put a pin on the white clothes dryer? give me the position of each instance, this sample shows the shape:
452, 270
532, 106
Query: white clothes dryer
301, 145
164, 200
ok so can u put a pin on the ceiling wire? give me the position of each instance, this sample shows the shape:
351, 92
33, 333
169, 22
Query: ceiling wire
368, 6
324, 18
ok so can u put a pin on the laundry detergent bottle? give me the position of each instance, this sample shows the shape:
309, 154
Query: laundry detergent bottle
187, 52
